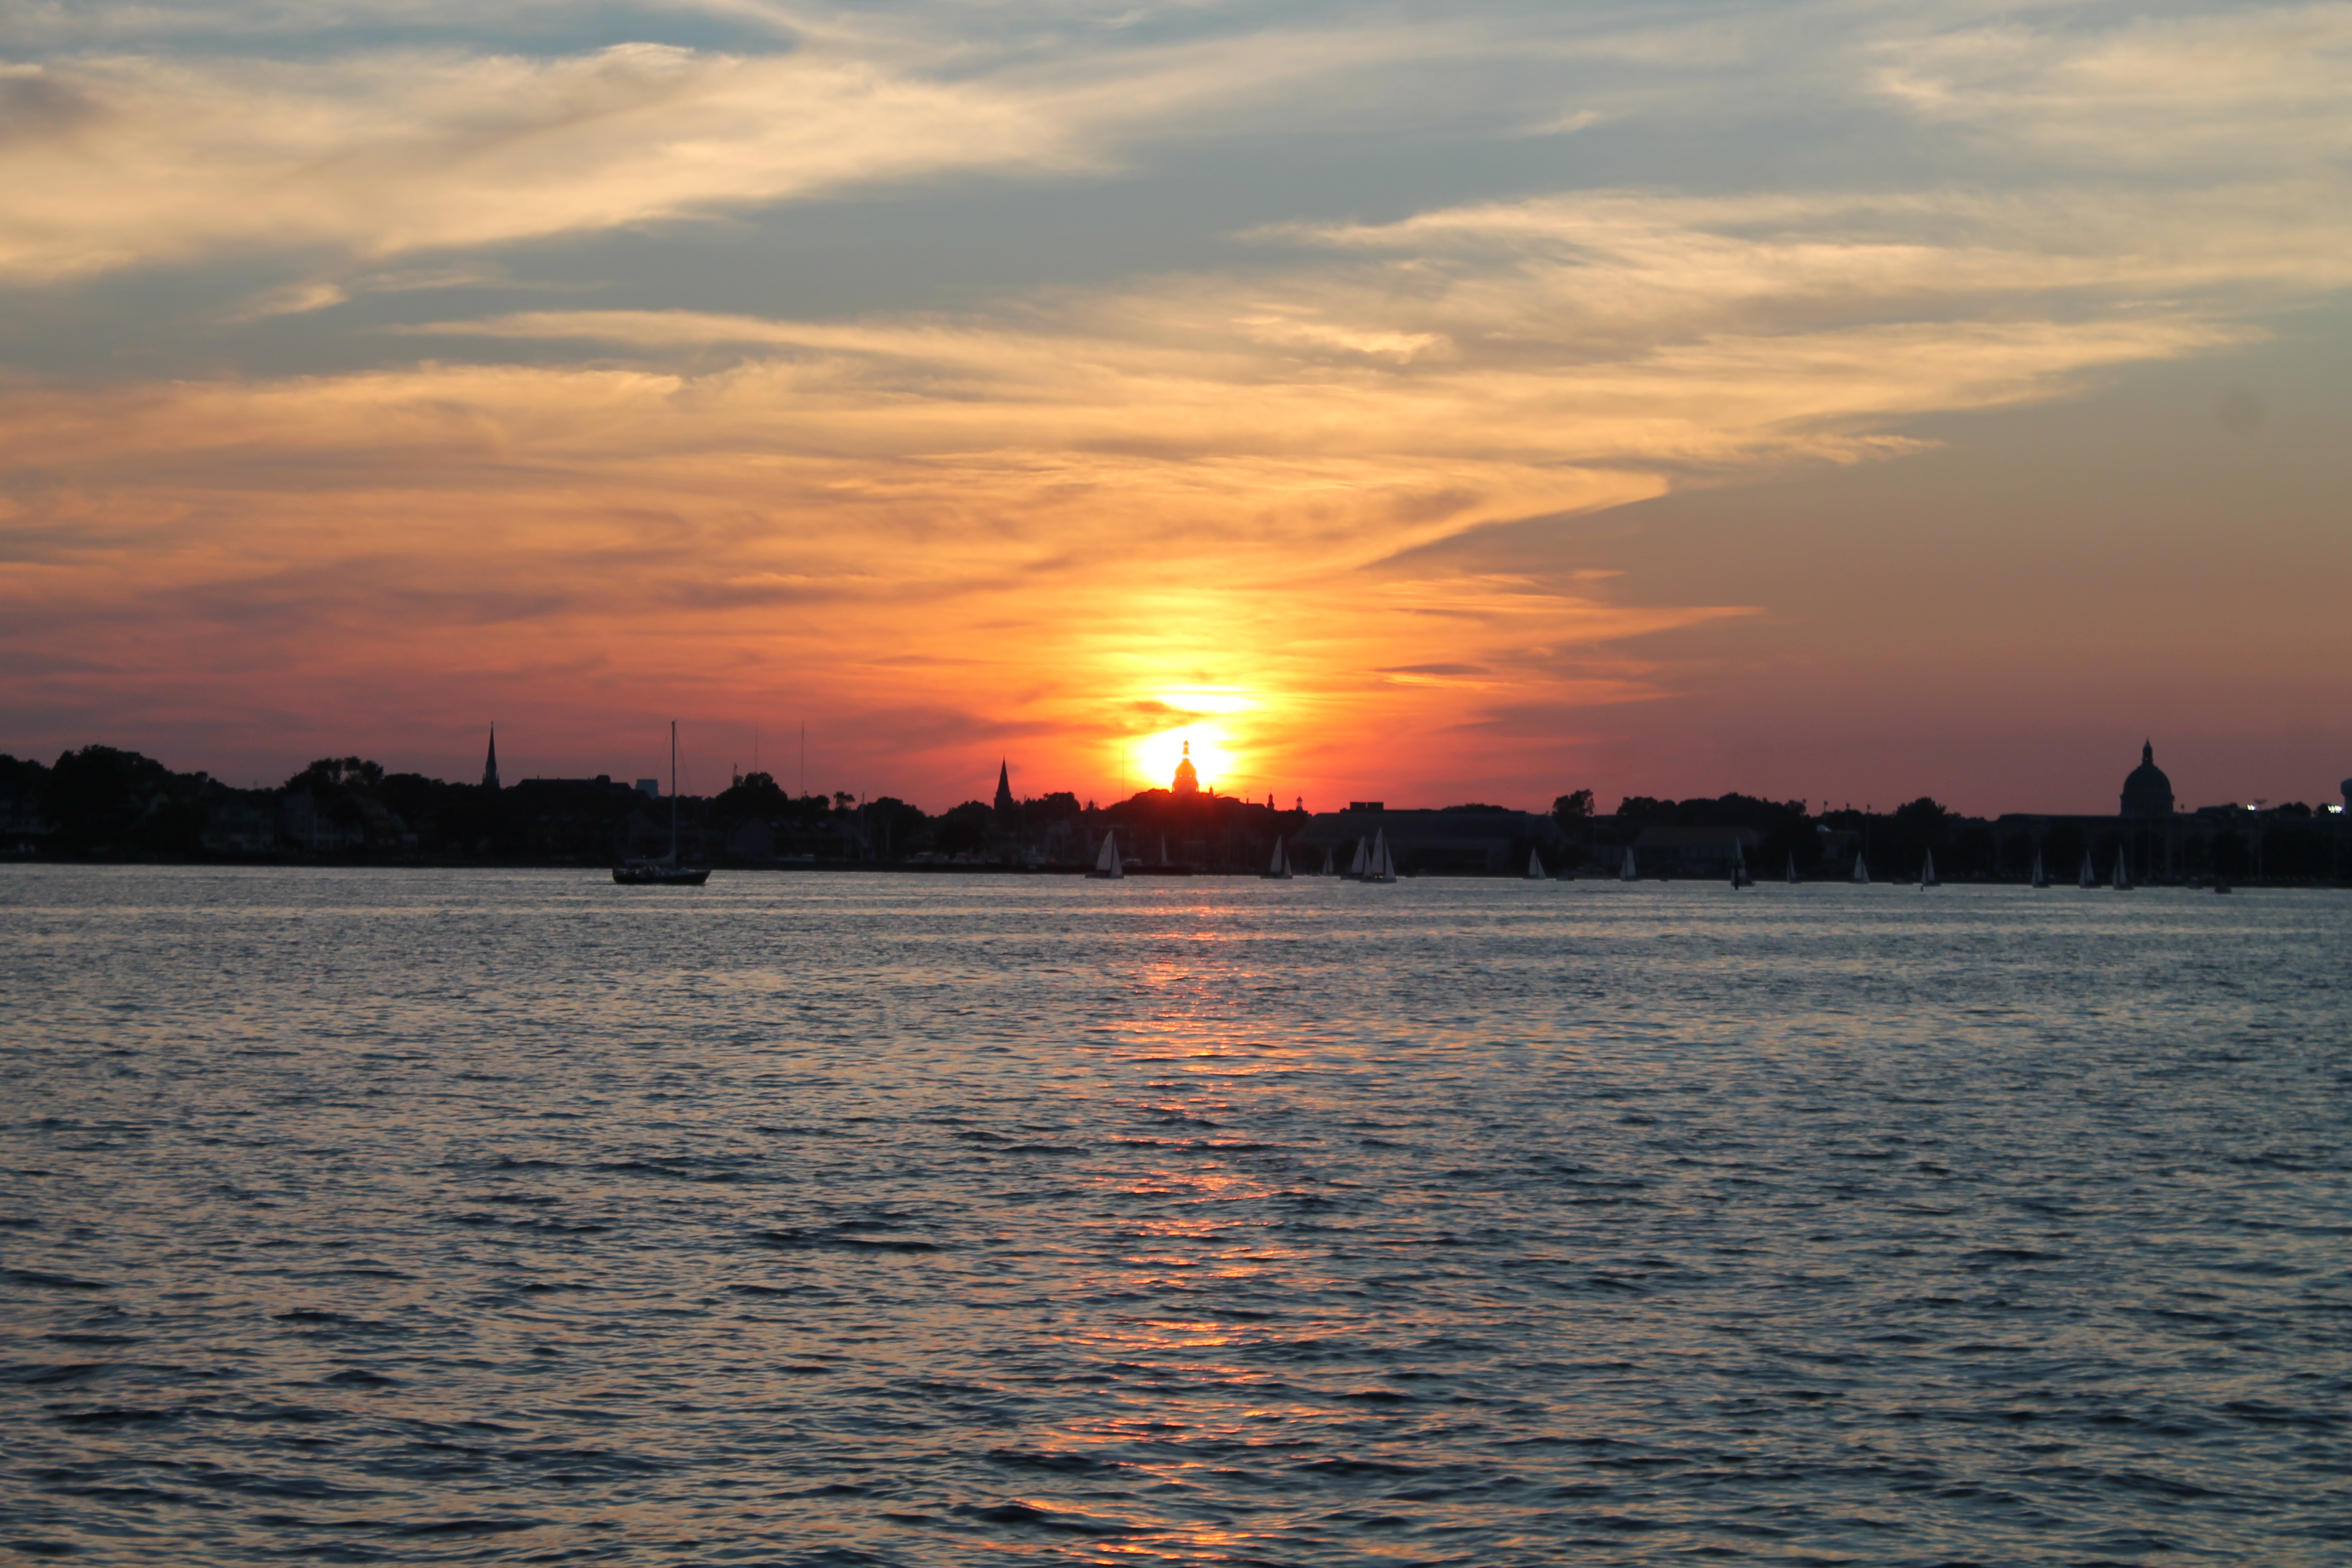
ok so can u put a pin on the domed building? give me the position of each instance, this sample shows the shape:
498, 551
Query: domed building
1188, 778
2147, 792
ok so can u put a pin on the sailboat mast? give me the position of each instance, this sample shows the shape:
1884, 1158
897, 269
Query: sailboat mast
672, 789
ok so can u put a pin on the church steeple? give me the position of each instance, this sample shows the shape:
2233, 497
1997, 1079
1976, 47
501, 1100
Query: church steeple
1003, 789
490, 764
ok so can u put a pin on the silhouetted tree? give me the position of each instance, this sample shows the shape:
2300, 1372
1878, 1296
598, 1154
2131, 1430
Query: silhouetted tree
104, 800
752, 797
330, 776
964, 830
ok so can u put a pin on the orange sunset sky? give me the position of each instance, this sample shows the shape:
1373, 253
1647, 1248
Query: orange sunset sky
1837, 401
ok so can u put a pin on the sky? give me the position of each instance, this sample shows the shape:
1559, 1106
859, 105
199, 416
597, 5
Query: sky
1841, 402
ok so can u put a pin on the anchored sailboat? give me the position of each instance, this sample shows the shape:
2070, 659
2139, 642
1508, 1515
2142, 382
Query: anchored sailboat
1928, 871
1279, 871
665, 872
1535, 868
1106, 863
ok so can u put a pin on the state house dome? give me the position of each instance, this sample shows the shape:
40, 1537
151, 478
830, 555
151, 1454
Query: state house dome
2147, 792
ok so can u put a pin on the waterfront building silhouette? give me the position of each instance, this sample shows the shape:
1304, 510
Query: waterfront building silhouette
2147, 792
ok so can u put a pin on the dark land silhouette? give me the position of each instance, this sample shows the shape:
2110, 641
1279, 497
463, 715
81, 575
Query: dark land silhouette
101, 803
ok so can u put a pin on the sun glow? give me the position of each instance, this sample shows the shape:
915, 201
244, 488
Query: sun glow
1156, 756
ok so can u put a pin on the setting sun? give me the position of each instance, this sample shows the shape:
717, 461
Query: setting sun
1156, 756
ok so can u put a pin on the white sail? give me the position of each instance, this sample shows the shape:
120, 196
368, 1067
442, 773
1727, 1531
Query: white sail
1106, 863
1382, 867
2123, 871
1363, 853
1278, 869
1326, 862
2089, 878
1535, 866
1861, 867
1793, 869
1928, 871
1626, 873
2040, 878
1740, 878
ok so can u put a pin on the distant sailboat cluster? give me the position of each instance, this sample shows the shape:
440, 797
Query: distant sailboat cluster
1373, 862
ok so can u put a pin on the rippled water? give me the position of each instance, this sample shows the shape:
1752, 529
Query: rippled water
463, 1217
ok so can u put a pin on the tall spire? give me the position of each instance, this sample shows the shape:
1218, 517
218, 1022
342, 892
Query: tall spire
1003, 789
490, 765
2148, 754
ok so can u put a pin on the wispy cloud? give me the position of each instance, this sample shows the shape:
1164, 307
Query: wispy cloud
389, 153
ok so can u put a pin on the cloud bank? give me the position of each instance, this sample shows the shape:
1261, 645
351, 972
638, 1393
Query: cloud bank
1040, 509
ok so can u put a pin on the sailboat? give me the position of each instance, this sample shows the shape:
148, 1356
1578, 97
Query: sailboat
1535, 868
1107, 865
2089, 878
1626, 873
1279, 871
1358, 866
2123, 882
1383, 864
1928, 871
1861, 869
2040, 878
1739, 877
1328, 870
1793, 877
665, 872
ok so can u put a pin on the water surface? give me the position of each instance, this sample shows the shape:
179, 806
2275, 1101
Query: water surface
506, 1217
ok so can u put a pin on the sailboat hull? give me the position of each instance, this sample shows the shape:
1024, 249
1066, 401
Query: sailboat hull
665, 872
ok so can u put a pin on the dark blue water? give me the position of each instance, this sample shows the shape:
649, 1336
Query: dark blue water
445, 1216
